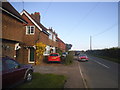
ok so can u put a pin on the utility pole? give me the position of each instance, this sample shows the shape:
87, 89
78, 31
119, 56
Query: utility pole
90, 42
23, 4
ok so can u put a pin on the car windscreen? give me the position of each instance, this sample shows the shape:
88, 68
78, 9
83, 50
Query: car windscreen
53, 54
63, 53
82, 55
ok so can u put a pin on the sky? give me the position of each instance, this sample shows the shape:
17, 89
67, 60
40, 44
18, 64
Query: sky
75, 22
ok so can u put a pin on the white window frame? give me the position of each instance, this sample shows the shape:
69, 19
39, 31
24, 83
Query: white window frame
54, 38
30, 30
50, 36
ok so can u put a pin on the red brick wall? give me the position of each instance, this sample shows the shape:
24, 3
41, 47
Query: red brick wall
31, 39
8, 49
11, 28
44, 38
61, 45
53, 43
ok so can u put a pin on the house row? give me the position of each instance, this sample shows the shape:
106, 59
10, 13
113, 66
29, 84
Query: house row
21, 32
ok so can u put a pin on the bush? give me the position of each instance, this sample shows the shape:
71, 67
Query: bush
69, 58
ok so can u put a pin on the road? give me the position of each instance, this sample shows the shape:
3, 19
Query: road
99, 73
96, 73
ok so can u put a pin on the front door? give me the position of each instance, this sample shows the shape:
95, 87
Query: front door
31, 55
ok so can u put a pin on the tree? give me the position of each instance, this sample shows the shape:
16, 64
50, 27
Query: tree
68, 47
40, 49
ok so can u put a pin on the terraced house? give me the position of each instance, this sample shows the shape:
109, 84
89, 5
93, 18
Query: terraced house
21, 32
12, 32
34, 33
53, 44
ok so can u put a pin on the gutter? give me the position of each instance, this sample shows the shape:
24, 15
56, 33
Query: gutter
13, 15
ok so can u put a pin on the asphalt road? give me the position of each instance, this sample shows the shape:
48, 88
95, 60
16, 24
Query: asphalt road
100, 73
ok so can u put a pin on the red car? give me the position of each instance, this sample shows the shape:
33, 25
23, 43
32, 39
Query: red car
54, 57
12, 72
82, 57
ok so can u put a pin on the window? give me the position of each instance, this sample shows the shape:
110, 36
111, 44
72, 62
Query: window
11, 64
50, 36
30, 30
54, 38
54, 55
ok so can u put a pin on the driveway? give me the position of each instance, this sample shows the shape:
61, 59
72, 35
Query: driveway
71, 71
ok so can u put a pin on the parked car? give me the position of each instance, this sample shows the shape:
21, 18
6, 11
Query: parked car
64, 54
82, 57
13, 72
54, 57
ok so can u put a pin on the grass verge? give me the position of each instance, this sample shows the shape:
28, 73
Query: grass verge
107, 58
45, 81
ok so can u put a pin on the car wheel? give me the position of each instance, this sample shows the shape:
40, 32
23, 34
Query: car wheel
29, 76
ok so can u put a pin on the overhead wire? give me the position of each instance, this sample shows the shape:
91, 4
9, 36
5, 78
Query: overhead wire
47, 9
91, 10
108, 29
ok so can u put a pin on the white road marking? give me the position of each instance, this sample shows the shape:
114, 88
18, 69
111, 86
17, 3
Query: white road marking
102, 64
84, 82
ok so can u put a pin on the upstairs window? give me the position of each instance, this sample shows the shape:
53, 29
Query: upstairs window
54, 38
50, 36
30, 30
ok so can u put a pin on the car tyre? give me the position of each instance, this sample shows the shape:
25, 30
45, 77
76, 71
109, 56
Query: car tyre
29, 76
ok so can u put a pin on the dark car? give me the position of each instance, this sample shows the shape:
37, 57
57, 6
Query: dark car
82, 57
64, 54
13, 72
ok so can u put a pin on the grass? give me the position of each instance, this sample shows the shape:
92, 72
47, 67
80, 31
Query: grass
45, 81
108, 58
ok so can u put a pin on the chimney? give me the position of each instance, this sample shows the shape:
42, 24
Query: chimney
36, 16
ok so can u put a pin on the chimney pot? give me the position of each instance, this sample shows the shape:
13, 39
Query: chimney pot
36, 16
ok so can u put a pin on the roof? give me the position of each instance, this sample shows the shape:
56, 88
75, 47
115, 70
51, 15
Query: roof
9, 9
60, 40
44, 29
38, 25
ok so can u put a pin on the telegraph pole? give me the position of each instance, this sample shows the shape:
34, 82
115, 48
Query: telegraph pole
23, 4
90, 42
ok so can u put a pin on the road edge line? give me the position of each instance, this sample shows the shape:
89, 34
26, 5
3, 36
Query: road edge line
84, 81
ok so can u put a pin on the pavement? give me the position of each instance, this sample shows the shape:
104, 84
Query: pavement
72, 72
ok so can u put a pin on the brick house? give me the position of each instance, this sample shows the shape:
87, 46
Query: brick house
21, 32
12, 32
61, 45
53, 45
35, 33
